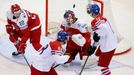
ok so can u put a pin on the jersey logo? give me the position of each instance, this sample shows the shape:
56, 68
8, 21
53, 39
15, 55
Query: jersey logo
21, 23
33, 17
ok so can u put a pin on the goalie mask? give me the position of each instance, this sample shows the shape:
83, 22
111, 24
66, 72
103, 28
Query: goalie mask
69, 16
16, 10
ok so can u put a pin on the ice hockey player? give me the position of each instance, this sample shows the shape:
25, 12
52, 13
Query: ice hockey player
44, 59
79, 36
22, 25
104, 36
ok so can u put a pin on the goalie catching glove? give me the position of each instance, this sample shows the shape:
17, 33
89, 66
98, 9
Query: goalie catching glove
78, 39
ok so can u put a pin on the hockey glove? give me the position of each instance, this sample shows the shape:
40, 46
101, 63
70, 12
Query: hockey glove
9, 29
22, 48
96, 38
91, 50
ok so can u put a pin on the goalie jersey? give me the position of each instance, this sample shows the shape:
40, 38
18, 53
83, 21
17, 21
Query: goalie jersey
78, 27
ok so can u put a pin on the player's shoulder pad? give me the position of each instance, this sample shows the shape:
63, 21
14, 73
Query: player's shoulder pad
55, 45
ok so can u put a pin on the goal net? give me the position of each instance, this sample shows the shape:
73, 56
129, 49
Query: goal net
56, 8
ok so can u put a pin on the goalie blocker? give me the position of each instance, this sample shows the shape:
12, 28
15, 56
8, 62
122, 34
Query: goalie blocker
78, 39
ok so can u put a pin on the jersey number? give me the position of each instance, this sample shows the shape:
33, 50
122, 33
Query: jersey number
21, 23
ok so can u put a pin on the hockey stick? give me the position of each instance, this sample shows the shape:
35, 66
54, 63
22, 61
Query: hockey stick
85, 62
22, 54
26, 60
56, 65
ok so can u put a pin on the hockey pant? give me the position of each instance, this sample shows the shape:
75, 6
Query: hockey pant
74, 51
35, 36
104, 57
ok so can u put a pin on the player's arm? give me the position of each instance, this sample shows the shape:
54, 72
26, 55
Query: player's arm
25, 35
9, 27
9, 21
84, 31
31, 16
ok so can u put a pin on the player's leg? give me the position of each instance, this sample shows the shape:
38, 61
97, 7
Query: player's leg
52, 72
98, 52
72, 53
34, 71
104, 61
35, 36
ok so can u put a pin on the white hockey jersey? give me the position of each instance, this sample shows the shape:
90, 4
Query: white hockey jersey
25, 20
108, 38
77, 27
44, 62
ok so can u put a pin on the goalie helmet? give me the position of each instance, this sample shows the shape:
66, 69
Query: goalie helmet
69, 16
68, 13
93, 9
62, 36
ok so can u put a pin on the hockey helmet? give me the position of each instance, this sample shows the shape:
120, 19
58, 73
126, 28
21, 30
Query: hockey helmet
15, 8
93, 9
62, 36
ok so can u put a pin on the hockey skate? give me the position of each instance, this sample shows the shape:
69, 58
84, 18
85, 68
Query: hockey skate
16, 53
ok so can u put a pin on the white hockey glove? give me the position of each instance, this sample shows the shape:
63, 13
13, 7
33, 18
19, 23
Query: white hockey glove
78, 39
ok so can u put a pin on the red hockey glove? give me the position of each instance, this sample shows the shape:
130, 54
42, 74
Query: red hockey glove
17, 44
9, 29
22, 48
